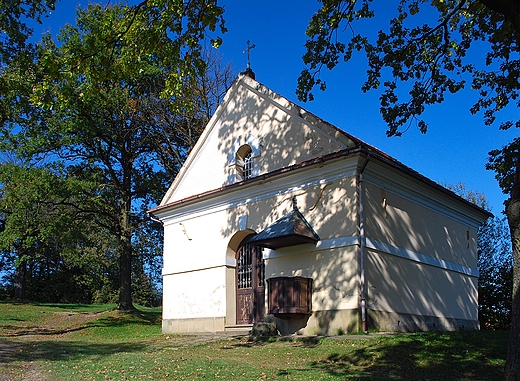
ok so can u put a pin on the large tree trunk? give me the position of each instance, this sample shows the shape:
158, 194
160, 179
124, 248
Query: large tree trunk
125, 259
20, 281
512, 369
511, 10
125, 289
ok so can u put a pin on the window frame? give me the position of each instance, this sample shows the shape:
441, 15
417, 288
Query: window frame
244, 162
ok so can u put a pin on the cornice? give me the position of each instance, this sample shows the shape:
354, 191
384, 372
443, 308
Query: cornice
254, 190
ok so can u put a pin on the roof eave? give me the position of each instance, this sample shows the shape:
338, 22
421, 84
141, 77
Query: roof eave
361, 148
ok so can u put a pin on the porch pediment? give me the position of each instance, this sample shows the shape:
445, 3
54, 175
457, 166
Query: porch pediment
290, 230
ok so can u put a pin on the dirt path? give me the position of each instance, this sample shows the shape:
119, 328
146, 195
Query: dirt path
8, 350
26, 371
12, 368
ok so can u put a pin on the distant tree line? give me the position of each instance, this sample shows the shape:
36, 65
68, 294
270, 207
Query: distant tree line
495, 265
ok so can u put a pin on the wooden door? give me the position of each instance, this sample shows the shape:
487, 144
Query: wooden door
250, 277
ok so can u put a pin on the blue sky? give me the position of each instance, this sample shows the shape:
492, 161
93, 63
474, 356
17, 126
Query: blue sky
456, 147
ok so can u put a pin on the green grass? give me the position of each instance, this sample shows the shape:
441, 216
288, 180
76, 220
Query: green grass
65, 342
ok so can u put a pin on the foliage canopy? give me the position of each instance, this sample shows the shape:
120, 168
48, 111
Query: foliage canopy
117, 101
430, 48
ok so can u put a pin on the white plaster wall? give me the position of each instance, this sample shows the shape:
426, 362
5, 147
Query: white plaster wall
283, 136
424, 225
329, 207
399, 285
418, 228
195, 294
194, 272
195, 243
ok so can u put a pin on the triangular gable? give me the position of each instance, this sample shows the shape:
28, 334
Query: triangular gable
279, 133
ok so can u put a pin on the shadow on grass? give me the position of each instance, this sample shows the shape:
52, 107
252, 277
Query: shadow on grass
15, 331
67, 322
123, 327
51, 350
125, 318
431, 356
309, 342
69, 350
258, 341
78, 321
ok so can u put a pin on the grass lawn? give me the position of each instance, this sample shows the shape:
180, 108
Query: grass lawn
97, 342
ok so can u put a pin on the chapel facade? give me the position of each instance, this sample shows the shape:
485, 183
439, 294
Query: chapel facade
278, 216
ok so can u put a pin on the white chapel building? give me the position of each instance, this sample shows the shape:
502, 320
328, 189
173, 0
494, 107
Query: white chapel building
278, 216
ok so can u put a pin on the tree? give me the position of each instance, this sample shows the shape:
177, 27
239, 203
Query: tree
110, 100
505, 162
14, 31
432, 59
15, 50
426, 50
495, 284
39, 209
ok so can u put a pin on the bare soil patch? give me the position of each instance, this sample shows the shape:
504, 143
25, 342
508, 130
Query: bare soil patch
15, 337
56, 323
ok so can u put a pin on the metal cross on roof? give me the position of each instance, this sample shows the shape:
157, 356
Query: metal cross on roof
248, 51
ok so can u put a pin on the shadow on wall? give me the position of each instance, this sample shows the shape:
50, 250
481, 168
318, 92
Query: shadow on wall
286, 139
288, 326
332, 211
395, 220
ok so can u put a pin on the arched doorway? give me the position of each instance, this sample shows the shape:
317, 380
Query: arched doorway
250, 284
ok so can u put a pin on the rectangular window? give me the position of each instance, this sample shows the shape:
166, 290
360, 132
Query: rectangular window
245, 268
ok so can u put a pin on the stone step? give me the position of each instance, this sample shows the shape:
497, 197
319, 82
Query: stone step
238, 330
